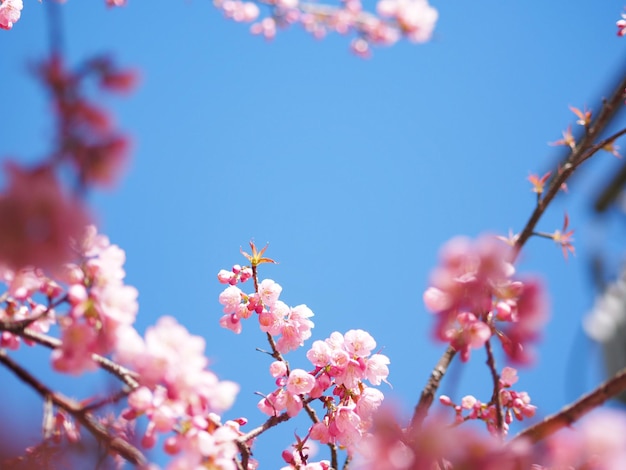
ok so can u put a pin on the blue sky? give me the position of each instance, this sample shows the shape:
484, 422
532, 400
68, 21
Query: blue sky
356, 172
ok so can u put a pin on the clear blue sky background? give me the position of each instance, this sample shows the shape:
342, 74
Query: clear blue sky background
356, 171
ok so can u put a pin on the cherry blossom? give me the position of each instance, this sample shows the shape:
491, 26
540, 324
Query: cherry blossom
474, 297
10, 11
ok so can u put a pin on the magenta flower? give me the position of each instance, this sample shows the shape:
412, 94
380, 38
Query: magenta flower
474, 296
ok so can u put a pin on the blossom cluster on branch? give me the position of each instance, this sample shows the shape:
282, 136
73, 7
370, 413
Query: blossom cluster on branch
64, 277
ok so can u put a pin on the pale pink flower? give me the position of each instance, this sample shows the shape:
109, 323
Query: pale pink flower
266, 27
376, 370
232, 323
369, 401
269, 292
278, 369
319, 354
347, 427
230, 298
10, 11
359, 342
294, 328
300, 382
79, 342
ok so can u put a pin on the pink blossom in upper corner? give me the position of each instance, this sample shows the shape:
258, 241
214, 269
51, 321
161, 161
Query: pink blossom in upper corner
621, 26
237, 10
116, 3
10, 11
37, 219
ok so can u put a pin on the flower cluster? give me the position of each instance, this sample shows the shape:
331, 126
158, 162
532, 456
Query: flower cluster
100, 304
10, 11
342, 364
475, 297
292, 324
514, 405
179, 395
436, 445
413, 19
97, 300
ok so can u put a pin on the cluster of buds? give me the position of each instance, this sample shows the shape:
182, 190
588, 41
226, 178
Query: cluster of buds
514, 405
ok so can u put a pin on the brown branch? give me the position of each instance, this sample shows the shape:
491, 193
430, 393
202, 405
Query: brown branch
428, 394
125, 375
581, 152
572, 413
116, 444
496, 398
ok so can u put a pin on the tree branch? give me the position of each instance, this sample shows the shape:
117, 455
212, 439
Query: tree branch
116, 444
572, 413
581, 152
428, 394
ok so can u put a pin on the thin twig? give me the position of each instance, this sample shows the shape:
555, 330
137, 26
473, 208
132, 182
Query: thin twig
428, 394
582, 151
120, 446
496, 399
125, 375
572, 413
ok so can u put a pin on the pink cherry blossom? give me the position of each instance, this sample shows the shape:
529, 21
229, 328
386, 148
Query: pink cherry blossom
230, 298
473, 295
300, 382
10, 11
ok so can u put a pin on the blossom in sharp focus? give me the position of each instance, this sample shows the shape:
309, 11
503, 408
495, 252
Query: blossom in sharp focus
10, 12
